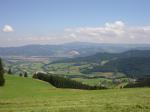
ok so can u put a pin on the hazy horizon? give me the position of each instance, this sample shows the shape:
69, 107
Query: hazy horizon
56, 22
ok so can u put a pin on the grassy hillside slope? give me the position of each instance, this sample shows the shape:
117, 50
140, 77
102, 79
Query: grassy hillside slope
30, 95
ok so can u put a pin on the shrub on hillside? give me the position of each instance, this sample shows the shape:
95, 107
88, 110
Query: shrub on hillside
25, 74
20, 74
9, 71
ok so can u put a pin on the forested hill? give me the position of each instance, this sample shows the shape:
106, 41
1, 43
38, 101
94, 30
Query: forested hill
134, 67
106, 56
134, 63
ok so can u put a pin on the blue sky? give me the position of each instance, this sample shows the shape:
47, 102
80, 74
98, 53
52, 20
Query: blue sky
46, 21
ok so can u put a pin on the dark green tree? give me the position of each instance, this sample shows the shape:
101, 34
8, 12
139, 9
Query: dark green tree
2, 80
20, 74
25, 74
9, 71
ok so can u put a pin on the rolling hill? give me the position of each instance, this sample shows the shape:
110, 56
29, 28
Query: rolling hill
133, 63
30, 95
98, 57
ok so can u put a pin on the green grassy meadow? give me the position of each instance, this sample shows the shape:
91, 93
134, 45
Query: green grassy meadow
30, 95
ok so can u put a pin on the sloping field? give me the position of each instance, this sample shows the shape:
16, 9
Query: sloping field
29, 95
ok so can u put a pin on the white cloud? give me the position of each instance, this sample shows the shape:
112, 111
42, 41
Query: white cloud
7, 28
117, 32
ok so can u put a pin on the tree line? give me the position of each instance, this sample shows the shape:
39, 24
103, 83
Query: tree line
140, 82
61, 82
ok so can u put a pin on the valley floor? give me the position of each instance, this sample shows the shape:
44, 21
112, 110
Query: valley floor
29, 95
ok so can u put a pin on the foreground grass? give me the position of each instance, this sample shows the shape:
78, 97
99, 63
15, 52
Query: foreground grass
30, 95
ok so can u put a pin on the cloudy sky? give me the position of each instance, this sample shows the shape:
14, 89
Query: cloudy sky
25, 22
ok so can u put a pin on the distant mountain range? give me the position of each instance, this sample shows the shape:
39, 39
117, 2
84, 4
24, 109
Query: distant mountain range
69, 50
